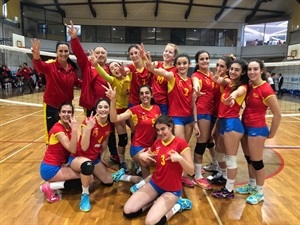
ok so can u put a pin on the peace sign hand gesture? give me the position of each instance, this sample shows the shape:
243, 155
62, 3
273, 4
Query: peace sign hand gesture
71, 30
73, 123
174, 156
91, 121
110, 93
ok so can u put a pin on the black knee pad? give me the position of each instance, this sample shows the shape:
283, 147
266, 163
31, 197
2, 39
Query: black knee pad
87, 168
200, 148
123, 140
210, 145
257, 165
132, 215
73, 185
248, 159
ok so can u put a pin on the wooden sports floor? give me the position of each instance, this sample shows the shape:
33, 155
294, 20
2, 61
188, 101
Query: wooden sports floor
21, 202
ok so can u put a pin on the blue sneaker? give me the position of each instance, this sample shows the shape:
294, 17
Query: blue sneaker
85, 204
184, 203
255, 198
134, 188
246, 189
117, 175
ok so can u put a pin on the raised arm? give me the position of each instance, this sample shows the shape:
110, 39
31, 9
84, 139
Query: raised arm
114, 117
86, 132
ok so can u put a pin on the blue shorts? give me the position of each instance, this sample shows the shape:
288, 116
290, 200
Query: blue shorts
213, 120
135, 149
203, 117
163, 108
257, 131
231, 124
48, 171
182, 120
71, 158
160, 191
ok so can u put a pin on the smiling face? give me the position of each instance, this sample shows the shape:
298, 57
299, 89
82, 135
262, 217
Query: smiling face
101, 54
62, 53
145, 95
203, 61
102, 109
134, 55
169, 54
235, 71
164, 132
255, 72
65, 113
182, 64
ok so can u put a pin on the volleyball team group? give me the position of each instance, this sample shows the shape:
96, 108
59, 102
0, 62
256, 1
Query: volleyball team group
162, 106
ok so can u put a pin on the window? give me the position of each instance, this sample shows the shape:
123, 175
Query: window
88, 33
193, 37
148, 35
265, 33
162, 36
207, 37
178, 36
103, 34
118, 34
133, 35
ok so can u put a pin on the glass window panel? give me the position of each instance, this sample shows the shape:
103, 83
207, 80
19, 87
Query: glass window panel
148, 35
103, 34
88, 33
207, 37
163, 36
193, 37
220, 37
254, 34
53, 16
178, 36
133, 35
118, 34
56, 31
275, 33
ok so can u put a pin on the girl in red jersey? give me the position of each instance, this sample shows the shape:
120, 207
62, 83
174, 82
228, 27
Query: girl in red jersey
61, 77
231, 128
171, 156
202, 83
143, 116
93, 140
138, 74
180, 96
121, 81
160, 83
62, 141
219, 176
259, 98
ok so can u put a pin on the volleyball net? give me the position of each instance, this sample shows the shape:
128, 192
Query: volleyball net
13, 57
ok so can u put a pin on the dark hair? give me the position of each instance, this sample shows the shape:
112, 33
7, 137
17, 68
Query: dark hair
228, 60
111, 63
70, 61
244, 79
197, 57
261, 66
165, 119
66, 103
132, 46
152, 102
181, 55
100, 100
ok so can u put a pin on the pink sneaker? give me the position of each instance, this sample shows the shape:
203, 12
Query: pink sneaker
49, 193
203, 183
187, 182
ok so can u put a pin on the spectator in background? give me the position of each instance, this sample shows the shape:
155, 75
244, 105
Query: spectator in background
271, 80
26, 73
280, 83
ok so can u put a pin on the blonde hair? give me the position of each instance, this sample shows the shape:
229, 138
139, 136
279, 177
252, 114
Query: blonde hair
175, 48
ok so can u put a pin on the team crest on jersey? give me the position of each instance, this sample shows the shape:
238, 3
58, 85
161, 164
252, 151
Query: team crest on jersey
255, 95
95, 132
